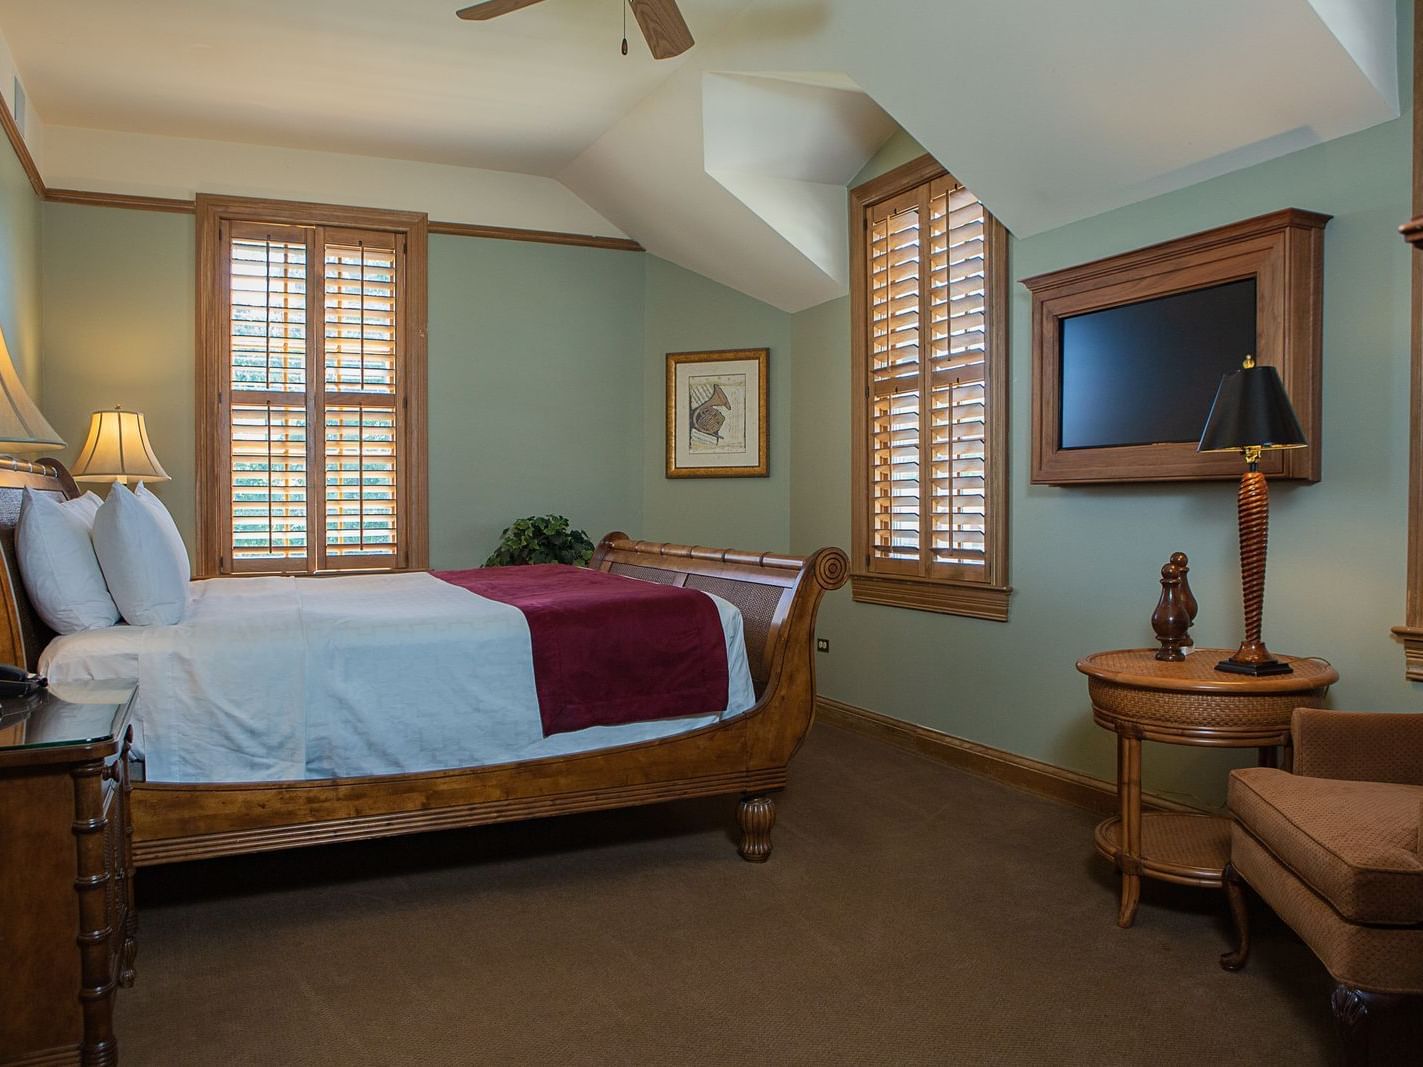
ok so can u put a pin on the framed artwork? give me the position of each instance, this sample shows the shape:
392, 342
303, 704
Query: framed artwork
717, 414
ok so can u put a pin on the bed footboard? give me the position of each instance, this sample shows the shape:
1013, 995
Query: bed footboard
748, 756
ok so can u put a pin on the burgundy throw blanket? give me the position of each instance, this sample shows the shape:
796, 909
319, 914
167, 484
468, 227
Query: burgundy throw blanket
610, 650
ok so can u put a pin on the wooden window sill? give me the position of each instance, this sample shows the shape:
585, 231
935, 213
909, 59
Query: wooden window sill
969, 599
1411, 637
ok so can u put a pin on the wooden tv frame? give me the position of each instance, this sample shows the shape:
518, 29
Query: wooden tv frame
1283, 251
745, 756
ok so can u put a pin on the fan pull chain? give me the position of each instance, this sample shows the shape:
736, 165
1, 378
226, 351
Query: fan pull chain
625, 27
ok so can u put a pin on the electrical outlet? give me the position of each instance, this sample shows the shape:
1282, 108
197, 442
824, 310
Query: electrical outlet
822, 644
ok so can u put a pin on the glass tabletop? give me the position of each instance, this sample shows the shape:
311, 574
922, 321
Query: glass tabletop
69, 713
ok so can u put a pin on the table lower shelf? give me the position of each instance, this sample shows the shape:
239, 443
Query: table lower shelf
1175, 846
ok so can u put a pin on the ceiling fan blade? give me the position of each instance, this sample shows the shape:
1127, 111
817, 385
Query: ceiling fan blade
663, 26
493, 8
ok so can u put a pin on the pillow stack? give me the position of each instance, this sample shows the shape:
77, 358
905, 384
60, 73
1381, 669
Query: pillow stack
55, 549
87, 563
142, 557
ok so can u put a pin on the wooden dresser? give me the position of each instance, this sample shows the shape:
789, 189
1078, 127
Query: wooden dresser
66, 873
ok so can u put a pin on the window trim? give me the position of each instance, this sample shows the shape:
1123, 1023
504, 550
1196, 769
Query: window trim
212, 375
988, 598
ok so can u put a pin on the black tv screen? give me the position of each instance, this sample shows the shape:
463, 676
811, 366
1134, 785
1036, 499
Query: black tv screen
1146, 373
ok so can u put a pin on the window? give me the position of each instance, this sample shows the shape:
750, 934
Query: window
929, 342
311, 388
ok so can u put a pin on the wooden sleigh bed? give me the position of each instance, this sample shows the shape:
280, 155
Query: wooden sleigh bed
748, 755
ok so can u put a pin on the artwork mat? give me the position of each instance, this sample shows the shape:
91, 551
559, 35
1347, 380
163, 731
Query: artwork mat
681, 367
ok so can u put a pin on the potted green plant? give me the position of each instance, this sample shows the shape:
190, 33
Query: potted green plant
541, 539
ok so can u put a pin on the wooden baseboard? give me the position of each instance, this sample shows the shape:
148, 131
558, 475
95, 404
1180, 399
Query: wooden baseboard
1021, 772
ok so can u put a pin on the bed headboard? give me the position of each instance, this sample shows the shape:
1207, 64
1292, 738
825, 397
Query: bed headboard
763, 585
22, 633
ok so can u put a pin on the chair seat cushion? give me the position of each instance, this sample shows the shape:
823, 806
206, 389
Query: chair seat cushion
1355, 843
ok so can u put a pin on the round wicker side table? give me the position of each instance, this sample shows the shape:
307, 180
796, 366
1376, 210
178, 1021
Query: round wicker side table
1141, 698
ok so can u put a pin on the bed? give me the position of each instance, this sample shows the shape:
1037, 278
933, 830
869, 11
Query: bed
767, 605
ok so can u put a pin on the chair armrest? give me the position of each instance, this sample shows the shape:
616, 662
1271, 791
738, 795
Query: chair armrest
1359, 746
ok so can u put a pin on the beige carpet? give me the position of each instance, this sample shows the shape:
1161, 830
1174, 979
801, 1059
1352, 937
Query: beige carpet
911, 914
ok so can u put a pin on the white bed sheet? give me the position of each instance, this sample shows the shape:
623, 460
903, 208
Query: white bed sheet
271, 679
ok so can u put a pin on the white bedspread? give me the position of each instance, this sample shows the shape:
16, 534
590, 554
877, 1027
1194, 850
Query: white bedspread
282, 678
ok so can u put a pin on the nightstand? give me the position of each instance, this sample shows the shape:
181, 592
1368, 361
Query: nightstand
1141, 698
66, 879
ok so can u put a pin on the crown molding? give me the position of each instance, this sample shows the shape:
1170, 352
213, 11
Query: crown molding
95, 198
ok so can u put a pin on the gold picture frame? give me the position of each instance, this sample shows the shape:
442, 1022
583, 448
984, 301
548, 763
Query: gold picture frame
718, 414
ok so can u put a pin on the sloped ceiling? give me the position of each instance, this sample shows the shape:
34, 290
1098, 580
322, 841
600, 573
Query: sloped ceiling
731, 160
1051, 112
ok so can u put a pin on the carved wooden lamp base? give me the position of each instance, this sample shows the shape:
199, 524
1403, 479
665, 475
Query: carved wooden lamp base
1253, 505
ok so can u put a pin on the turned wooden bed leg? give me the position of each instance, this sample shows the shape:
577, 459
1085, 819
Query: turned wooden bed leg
756, 815
1235, 894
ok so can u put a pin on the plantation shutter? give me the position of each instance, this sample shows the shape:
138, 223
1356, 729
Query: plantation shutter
360, 294
315, 407
267, 411
956, 515
896, 383
927, 279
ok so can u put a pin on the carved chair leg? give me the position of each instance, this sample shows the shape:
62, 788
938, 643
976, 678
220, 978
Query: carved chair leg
1354, 1013
1235, 894
756, 815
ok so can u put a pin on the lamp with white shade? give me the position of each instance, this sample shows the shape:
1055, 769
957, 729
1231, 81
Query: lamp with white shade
22, 427
117, 449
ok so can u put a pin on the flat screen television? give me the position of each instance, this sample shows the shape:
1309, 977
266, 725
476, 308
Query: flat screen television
1146, 373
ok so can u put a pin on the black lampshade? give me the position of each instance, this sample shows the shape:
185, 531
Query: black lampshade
1251, 409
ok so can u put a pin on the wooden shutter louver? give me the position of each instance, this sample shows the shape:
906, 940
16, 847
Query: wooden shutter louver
929, 281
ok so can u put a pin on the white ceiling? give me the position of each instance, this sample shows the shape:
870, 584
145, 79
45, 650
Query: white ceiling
1050, 111
400, 79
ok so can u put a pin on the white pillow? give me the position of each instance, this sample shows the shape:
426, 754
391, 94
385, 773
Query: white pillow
171, 536
58, 564
137, 561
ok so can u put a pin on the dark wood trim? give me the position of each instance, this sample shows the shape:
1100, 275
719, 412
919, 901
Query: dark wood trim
972, 599
125, 200
210, 380
178, 206
92, 198
1020, 772
989, 598
22, 150
1283, 251
548, 237
1411, 633
97, 198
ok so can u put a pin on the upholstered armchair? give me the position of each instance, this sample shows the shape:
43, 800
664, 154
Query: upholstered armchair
1336, 848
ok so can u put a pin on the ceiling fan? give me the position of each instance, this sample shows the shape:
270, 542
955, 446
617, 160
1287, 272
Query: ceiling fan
662, 24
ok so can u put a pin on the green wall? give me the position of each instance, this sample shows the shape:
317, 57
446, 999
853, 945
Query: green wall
535, 358
545, 370
20, 214
1085, 561
118, 293
689, 313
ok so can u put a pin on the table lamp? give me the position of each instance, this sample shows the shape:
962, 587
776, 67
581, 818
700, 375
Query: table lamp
117, 449
1251, 413
22, 427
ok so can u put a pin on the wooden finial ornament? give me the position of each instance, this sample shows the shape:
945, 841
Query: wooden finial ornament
1184, 565
1171, 619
